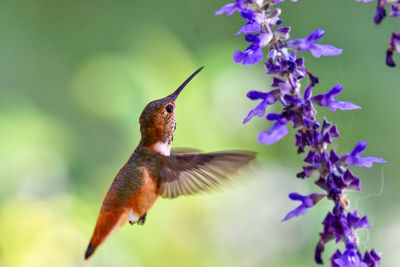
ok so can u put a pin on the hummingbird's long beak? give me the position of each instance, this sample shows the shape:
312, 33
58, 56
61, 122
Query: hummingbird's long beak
175, 94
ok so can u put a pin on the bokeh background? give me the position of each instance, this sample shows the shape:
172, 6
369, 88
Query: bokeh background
74, 77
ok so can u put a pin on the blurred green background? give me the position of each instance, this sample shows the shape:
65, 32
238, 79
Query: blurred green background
74, 77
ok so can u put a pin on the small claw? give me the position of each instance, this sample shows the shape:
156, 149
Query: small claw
142, 219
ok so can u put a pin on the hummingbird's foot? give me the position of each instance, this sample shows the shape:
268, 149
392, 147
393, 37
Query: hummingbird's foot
142, 219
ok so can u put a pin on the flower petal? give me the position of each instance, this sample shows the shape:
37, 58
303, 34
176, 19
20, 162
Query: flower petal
300, 210
252, 55
307, 202
353, 158
350, 258
342, 105
380, 14
328, 100
259, 110
315, 35
276, 133
372, 258
249, 27
318, 50
228, 9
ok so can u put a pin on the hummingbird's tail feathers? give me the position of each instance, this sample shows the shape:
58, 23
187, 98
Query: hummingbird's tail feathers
107, 224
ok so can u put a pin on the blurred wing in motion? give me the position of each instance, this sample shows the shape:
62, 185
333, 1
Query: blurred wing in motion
187, 174
183, 150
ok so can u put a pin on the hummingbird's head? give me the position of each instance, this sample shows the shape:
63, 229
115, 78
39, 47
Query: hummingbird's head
157, 121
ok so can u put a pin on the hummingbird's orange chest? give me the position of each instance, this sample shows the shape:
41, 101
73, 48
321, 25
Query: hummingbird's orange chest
147, 195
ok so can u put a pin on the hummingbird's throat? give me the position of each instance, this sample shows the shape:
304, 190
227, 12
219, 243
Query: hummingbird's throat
163, 145
162, 148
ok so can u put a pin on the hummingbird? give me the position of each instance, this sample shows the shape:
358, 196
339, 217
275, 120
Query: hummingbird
154, 170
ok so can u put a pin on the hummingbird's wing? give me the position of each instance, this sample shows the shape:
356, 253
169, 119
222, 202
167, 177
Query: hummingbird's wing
183, 150
186, 174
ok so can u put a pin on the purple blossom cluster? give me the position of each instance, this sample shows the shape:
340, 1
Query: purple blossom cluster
265, 34
380, 14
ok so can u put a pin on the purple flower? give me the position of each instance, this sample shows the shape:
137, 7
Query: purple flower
282, 33
231, 8
350, 258
313, 79
395, 10
355, 222
318, 251
275, 133
335, 256
267, 99
298, 107
395, 42
253, 54
389, 58
394, 45
380, 13
352, 181
317, 50
307, 202
252, 25
334, 184
289, 63
249, 27
372, 258
281, 63
328, 100
353, 158
338, 226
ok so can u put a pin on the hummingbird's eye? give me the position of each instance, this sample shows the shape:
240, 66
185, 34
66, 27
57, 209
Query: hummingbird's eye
169, 108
